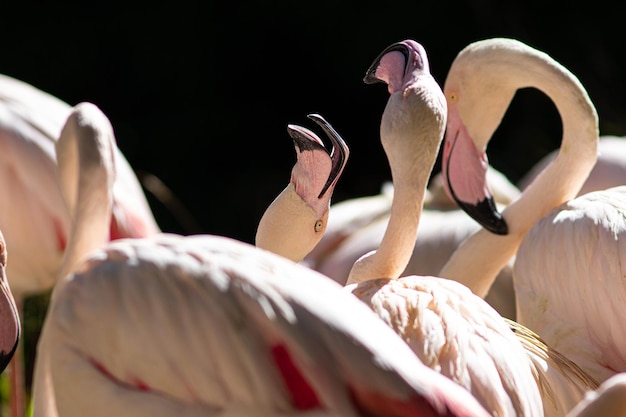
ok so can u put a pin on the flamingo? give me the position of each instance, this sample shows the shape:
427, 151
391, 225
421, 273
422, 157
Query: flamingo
508, 64
357, 226
449, 327
35, 220
37, 233
275, 338
409, 132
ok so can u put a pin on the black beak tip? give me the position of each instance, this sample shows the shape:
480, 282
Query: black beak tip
486, 214
370, 77
5, 358
370, 74
498, 226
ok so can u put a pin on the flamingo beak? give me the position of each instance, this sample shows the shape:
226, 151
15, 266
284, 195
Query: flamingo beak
9, 322
464, 168
370, 74
304, 139
338, 154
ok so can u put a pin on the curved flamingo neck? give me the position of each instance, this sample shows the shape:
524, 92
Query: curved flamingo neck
411, 131
478, 260
86, 175
396, 246
562, 179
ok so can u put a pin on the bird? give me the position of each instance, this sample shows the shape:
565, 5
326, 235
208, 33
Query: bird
270, 337
35, 221
475, 108
357, 226
449, 328
30, 123
567, 274
574, 293
458, 334
10, 329
297, 219
409, 134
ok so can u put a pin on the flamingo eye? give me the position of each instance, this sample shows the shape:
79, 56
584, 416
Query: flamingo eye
453, 97
318, 225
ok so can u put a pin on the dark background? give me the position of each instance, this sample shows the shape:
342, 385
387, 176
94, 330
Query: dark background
200, 94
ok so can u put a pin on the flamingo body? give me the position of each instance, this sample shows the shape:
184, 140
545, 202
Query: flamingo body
30, 123
275, 339
575, 304
458, 334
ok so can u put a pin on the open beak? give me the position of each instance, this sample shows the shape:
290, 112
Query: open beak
304, 139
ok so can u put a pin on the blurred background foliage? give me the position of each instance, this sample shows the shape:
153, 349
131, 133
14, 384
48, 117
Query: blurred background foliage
200, 93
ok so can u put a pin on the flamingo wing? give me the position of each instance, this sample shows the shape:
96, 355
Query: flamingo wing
214, 323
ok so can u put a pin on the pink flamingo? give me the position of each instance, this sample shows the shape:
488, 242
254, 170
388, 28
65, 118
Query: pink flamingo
36, 221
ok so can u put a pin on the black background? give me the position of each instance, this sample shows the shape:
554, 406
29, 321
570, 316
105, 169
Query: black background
200, 94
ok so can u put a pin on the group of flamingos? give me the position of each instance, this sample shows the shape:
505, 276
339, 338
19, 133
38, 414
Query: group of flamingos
392, 305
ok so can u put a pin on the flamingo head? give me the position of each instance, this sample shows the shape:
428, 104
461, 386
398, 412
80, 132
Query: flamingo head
478, 91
